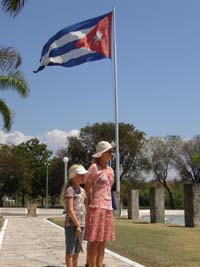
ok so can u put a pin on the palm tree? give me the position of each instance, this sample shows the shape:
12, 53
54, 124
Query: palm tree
13, 7
10, 78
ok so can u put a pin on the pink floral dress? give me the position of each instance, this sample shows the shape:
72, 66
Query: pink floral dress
99, 219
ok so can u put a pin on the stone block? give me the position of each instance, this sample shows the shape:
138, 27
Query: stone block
192, 205
157, 205
133, 204
32, 210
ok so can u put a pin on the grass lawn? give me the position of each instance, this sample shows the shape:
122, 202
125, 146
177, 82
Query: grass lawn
155, 245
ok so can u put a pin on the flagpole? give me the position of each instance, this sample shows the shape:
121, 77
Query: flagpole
116, 111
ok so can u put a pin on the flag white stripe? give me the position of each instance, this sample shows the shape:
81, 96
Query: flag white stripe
70, 55
70, 37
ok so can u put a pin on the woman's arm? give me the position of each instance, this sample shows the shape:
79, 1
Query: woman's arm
88, 187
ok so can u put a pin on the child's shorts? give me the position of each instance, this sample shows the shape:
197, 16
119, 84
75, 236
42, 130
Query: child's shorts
71, 240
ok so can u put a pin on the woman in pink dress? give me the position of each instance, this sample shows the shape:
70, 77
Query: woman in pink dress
99, 219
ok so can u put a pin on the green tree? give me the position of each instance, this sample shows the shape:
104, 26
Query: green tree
23, 171
81, 148
56, 181
38, 154
12, 7
178, 194
8, 180
161, 154
10, 78
132, 184
187, 159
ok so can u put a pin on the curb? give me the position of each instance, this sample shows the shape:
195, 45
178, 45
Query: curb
111, 253
117, 256
3, 232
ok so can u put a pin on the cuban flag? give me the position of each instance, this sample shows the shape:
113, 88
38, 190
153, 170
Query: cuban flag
82, 42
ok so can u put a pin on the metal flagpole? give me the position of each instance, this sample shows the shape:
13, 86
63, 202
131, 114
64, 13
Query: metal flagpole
47, 184
116, 111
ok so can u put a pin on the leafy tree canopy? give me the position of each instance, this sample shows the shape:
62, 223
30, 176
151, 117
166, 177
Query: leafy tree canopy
12, 7
81, 148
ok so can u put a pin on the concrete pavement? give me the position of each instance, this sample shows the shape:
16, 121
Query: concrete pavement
33, 242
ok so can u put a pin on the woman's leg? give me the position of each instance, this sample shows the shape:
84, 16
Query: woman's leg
87, 253
75, 260
92, 253
100, 254
69, 260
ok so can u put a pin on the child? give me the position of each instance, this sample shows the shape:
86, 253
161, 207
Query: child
75, 214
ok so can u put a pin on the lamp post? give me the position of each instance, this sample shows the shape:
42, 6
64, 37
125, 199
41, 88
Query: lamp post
47, 184
65, 160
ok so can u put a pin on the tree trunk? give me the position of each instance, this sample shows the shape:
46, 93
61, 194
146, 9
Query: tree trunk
1, 201
163, 183
170, 197
42, 201
23, 199
52, 201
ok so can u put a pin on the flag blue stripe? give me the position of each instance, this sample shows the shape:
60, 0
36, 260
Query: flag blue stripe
62, 50
39, 69
78, 26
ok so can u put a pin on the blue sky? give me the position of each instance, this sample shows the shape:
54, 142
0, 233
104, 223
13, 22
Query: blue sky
158, 68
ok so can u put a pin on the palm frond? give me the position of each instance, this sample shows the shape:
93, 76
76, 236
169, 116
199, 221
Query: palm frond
12, 7
15, 81
6, 114
9, 58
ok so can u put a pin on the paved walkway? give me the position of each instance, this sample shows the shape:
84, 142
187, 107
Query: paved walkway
33, 242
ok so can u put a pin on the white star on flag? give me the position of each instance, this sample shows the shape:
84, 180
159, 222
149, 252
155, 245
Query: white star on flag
98, 36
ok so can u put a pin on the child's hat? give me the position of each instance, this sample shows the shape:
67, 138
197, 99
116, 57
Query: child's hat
76, 169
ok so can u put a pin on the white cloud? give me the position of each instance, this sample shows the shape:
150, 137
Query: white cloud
53, 139
14, 138
56, 139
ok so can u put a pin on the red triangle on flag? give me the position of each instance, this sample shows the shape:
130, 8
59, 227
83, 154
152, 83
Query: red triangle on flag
99, 38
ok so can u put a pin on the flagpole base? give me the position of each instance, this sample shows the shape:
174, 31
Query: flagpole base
117, 212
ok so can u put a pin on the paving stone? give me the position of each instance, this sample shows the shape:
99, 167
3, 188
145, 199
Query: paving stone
33, 242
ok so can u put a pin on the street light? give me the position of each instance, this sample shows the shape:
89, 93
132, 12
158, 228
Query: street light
65, 160
47, 183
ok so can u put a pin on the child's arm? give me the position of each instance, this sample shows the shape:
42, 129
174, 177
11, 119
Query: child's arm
71, 213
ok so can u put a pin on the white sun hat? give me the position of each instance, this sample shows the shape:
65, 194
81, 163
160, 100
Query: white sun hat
102, 147
76, 169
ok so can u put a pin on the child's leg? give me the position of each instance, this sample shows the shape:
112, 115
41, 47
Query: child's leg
69, 260
75, 260
71, 240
